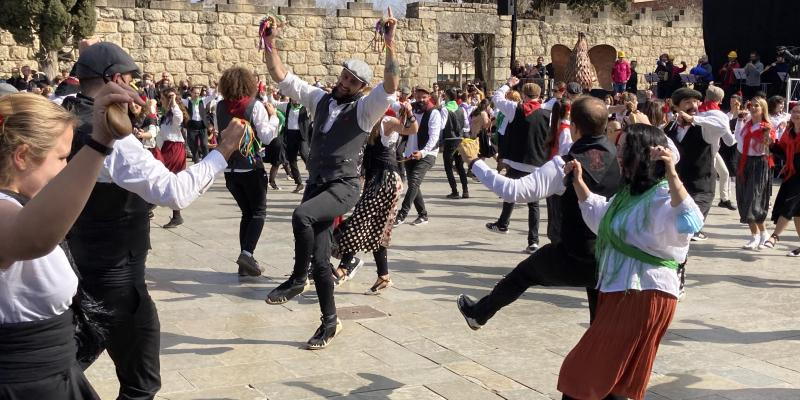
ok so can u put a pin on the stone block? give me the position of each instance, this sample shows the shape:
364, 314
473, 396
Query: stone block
236, 31
214, 56
208, 17
300, 69
200, 29
105, 27
302, 3
121, 3
302, 45
132, 41
224, 42
159, 28
172, 15
227, 18
189, 16
302, 11
153, 15
191, 41
125, 26
199, 54
140, 55
244, 19
170, 41
313, 22
295, 57
110, 13
230, 54
153, 42
339, 34
175, 67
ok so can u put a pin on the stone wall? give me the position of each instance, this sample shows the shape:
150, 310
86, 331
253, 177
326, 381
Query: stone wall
190, 40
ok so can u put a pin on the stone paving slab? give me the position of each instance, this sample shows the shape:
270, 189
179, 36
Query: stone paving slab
736, 336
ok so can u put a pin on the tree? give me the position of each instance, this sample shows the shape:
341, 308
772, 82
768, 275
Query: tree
537, 8
56, 24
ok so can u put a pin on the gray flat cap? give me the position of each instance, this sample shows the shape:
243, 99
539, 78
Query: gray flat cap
360, 69
6, 88
574, 88
405, 90
104, 59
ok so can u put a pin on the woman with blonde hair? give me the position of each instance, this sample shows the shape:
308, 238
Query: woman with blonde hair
754, 176
41, 196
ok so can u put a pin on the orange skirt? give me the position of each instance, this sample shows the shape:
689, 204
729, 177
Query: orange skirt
616, 354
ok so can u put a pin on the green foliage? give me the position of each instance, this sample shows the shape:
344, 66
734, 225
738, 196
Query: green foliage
538, 8
55, 22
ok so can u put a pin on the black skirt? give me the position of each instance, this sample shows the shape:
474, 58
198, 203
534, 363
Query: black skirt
787, 203
754, 189
275, 152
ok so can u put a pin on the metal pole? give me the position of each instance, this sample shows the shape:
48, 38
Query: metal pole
513, 35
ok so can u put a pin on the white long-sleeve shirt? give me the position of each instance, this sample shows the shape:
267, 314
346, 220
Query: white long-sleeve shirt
716, 126
544, 181
170, 131
370, 108
134, 169
655, 227
435, 126
757, 147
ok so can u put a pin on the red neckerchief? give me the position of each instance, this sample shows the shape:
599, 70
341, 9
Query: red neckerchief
530, 106
554, 147
708, 106
749, 137
237, 108
790, 145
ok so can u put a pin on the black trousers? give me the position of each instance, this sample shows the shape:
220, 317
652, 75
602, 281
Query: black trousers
552, 265
453, 159
533, 211
249, 189
295, 145
416, 170
704, 199
381, 260
198, 143
312, 223
134, 339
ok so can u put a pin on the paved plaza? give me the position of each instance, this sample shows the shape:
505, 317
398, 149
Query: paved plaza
736, 336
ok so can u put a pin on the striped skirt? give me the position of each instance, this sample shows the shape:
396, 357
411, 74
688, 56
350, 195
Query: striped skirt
616, 354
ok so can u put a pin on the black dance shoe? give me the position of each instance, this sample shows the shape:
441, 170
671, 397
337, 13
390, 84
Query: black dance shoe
286, 290
328, 329
465, 305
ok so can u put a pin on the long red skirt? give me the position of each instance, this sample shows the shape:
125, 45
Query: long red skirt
156, 152
174, 154
616, 354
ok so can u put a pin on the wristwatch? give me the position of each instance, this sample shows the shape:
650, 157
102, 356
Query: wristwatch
97, 146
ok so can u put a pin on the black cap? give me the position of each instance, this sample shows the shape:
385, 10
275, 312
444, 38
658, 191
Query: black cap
574, 88
104, 59
685, 93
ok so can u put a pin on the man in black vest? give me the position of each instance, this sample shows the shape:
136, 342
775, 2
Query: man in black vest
420, 153
697, 139
196, 133
524, 149
452, 134
571, 261
111, 237
342, 122
296, 132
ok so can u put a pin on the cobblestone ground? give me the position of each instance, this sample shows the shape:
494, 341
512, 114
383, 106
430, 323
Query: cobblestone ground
736, 336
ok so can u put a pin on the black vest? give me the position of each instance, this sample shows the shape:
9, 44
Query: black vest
203, 115
601, 173
526, 138
237, 161
303, 123
378, 157
696, 167
422, 131
336, 154
111, 237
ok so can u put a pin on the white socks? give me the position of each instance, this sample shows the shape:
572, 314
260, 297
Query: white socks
764, 237
754, 243
247, 253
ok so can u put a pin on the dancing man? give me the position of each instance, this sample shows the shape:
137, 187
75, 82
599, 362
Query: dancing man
570, 262
342, 122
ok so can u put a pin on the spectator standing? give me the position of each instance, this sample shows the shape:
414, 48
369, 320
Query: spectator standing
621, 73
753, 69
197, 124
633, 82
727, 77
703, 73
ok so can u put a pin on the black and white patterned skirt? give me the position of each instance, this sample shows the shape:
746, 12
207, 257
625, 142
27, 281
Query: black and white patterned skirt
370, 224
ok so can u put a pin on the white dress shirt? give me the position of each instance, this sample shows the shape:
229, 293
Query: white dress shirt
564, 139
196, 110
370, 108
293, 118
509, 110
435, 126
544, 181
134, 169
170, 131
715, 126
757, 147
38, 289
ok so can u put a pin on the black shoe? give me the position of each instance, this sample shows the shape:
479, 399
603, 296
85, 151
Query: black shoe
173, 222
421, 220
464, 304
328, 329
465, 195
532, 248
699, 237
353, 267
241, 272
249, 265
727, 204
150, 215
494, 227
299, 188
454, 196
399, 221
274, 186
286, 290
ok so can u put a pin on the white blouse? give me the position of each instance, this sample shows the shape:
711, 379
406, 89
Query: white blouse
665, 235
757, 147
171, 132
34, 290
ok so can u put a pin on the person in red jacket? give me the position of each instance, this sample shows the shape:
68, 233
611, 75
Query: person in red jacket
621, 72
727, 77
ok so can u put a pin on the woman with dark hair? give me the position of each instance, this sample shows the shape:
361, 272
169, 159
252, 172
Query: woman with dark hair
753, 176
173, 146
643, 235
479, 124
654, 111
245, 177
787, 203
369, 228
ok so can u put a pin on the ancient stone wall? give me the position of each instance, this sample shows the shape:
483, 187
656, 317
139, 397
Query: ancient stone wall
192, 41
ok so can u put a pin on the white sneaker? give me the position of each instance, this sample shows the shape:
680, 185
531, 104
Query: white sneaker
753, 244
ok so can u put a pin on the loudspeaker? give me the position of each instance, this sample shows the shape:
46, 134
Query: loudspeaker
505, 7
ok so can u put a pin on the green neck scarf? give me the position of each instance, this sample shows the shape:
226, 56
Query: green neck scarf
451, 106
607, 238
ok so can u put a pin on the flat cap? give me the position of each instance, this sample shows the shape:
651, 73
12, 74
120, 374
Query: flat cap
574, 88
6, 88
685, 93
405, 90
359, 69
104, 59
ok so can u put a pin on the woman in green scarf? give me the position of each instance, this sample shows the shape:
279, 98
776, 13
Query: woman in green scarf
643, 235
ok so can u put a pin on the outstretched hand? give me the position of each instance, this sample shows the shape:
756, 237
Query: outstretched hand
110, 118
390, 25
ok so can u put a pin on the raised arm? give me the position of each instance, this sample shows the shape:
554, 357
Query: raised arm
391, 71
507, 107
